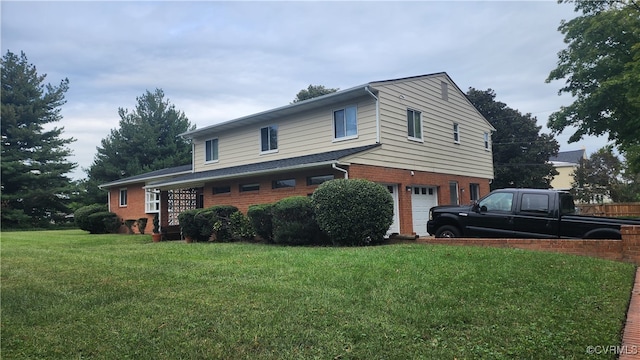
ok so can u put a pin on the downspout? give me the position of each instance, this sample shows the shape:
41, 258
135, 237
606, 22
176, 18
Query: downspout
335, 167
377, 114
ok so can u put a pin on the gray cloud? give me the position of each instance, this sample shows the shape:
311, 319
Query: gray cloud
221, 60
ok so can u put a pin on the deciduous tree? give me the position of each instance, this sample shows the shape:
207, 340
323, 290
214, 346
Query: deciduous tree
520, 151
601, 68
34, 155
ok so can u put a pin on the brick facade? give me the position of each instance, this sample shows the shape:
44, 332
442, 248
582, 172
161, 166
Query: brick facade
266, 194
627, 249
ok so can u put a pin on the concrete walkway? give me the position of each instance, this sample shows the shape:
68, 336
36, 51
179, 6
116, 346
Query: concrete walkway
631, 338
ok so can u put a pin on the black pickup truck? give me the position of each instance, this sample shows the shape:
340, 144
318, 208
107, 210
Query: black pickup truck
522, 213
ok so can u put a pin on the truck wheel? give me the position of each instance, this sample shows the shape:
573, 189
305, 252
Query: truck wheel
448, 231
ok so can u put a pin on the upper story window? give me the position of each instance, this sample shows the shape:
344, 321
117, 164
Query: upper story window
345, 123
269, 138
456, 133
123, 197
152, 200
414, 124
486, 141
211, 150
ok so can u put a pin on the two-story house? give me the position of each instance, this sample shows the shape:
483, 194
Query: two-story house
418, 136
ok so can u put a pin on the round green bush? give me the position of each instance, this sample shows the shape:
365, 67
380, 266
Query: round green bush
261, 218
103, 222
353, 211
294, 223
81, 216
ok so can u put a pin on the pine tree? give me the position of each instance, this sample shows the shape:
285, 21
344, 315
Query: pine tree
147, 139
33, 158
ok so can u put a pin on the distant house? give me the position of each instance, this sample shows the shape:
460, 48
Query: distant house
419, 136
566, 162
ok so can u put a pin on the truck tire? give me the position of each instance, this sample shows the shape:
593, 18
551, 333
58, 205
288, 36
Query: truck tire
448, 231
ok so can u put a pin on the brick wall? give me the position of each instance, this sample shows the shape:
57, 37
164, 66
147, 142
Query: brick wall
266, 194
134, 209
627, 249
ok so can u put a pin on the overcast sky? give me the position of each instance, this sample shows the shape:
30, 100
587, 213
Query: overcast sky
217, 61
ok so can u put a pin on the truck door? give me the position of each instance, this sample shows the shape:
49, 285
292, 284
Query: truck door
493, 218
534, 217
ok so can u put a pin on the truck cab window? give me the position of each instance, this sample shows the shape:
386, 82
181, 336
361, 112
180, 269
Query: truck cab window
497, 202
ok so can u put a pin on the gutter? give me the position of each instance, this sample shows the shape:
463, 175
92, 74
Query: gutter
346, 173
377, 114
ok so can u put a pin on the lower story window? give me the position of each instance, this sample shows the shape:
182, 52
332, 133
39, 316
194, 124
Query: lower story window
453, 191
474, 191
317, 180
123, 197
249, 187
152, 200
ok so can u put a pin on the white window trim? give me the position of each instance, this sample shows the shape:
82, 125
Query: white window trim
486, 140
205, 152
456, 131
413, 138
333, 124
272, 151
149, 204
120, 204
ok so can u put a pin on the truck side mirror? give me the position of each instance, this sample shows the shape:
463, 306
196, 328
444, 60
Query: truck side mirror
475, 207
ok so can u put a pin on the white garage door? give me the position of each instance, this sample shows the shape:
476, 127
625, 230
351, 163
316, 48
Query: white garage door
422, 199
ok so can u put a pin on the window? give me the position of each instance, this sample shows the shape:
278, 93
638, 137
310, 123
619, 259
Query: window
211, 150
317, 180
453, 192
474, 191
497, 202
221, 190
249, 187
269, 138
152, 200
486, 141
285, 183
535, 203
414, 124
456, 133
345, 123
444, 90
123, 197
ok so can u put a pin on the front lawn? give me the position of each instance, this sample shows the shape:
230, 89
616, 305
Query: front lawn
70, 295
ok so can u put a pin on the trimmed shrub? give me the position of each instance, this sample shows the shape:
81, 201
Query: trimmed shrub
81, 216
201, 224
104, 222
294, 223
142, 224
353, 211
221, 221
262, 220
240, 227
188, 225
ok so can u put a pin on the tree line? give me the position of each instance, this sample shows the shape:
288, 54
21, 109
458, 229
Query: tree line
600, 66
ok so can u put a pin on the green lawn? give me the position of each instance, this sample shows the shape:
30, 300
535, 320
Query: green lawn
70, 295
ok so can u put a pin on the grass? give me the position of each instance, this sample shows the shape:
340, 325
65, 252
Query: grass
70, 295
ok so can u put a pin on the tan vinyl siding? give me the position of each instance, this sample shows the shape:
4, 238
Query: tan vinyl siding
438, 153
303, 134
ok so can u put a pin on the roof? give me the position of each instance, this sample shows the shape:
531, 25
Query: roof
196, 179
570, 157
291, 109
156, 174
367, 89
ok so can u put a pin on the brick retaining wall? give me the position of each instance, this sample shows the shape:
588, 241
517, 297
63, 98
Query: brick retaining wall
627, 249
